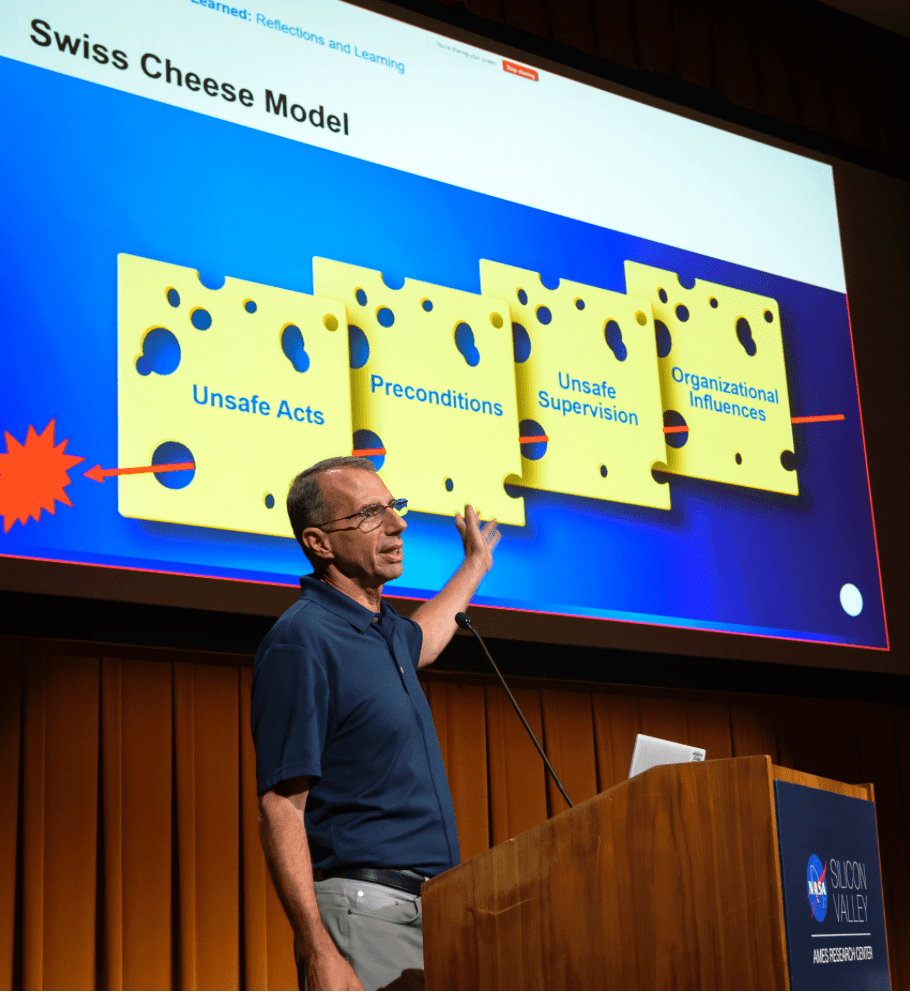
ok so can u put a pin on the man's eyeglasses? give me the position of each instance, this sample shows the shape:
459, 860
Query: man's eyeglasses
370, 512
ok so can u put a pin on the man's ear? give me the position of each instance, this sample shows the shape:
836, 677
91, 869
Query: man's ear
318, 542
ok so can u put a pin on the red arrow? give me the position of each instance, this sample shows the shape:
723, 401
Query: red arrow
99, 474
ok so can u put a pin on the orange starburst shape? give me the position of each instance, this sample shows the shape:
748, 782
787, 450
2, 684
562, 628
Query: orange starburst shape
33, 476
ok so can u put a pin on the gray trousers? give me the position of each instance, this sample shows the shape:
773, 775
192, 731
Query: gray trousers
377, 929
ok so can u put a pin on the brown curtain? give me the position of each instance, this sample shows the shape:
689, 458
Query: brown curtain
129, 852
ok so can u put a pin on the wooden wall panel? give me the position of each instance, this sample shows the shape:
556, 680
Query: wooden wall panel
110, 844
838, 757
217, 825
517, 776
184, 827
569, 742
266, 942
460, 719
708, 721
10, 737
70, 810
139, 814
751, 731
665, 717
616, 722
255, 882
900, 925
31, 800
800, 732
146, 816
878, 757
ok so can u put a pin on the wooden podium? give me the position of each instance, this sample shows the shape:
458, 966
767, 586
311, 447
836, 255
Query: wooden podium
668, 880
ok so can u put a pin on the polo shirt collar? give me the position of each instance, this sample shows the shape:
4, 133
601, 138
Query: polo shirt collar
338, 603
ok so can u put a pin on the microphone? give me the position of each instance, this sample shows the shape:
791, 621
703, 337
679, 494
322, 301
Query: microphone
464, 621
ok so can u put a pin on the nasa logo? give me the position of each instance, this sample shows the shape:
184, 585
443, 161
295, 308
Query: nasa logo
818, 889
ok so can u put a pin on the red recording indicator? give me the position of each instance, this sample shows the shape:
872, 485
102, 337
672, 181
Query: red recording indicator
520, 70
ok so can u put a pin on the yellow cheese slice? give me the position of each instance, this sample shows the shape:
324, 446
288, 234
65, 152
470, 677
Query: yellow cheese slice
724, 376
432, 381
586, 374
248, 381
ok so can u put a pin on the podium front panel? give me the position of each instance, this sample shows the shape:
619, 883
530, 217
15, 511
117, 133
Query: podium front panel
833, 905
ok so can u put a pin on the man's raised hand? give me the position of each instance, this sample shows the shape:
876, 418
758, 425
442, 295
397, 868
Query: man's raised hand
479, 542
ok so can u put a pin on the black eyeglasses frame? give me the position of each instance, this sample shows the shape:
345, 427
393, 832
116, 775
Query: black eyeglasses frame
368, 512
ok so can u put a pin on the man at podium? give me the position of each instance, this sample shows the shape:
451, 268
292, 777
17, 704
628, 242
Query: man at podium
355, 809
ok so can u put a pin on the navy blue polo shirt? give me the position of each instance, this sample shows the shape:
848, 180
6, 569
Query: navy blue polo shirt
335, 696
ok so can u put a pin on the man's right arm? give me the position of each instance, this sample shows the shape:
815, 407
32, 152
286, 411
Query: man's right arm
284, 841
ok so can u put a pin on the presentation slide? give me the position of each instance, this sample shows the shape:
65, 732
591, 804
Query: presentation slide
240, 240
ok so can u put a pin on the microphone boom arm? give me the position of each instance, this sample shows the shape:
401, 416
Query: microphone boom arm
464, 621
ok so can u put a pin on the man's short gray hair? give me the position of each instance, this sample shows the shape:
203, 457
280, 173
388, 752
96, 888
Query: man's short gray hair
307, 506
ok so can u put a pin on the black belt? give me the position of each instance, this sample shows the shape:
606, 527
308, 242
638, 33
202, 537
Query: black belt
382, 876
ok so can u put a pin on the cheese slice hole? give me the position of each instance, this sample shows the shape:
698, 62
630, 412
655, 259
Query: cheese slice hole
174, 453
613, 336
292, 346
464, 342
160, 353
200, 318
533, 450
663, 339
521, 343
676, 439
358, 347
211, 280
366, 440
744, 334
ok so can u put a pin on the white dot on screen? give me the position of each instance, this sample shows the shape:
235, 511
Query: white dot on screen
360, 893
851, 599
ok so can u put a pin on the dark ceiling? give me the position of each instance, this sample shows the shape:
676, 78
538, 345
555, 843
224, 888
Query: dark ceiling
892, 15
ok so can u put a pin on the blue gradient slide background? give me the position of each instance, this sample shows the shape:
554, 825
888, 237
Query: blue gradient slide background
91, 172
